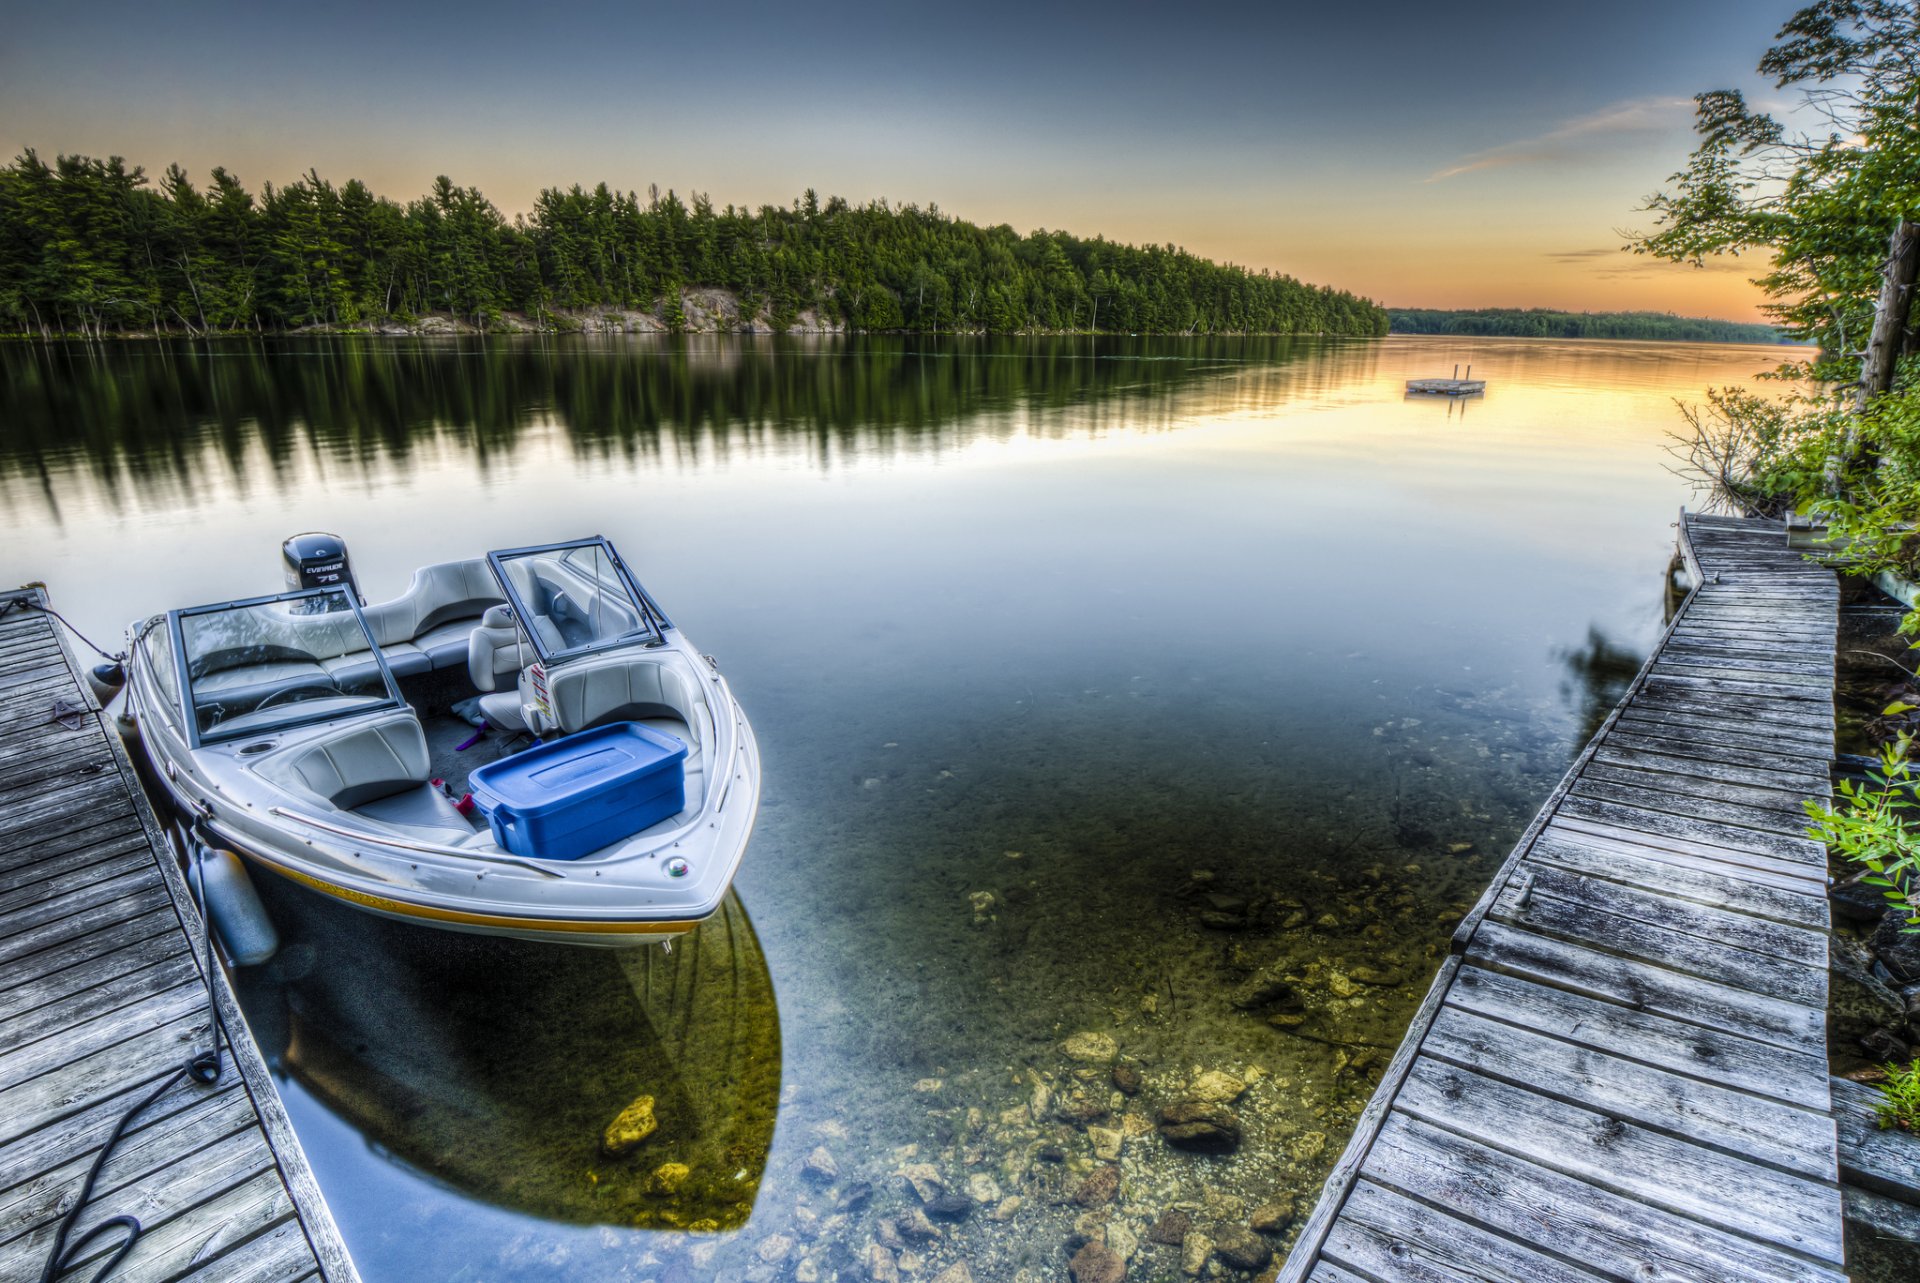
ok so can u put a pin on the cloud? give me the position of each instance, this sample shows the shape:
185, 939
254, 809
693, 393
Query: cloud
1634, 116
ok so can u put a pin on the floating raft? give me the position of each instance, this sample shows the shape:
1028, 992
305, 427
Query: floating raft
102, 998
1620, 1071
1446, 387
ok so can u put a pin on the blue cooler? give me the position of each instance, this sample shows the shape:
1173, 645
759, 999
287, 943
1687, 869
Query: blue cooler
563, 800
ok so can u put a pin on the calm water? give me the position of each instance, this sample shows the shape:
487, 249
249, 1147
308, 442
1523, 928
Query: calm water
1091, 679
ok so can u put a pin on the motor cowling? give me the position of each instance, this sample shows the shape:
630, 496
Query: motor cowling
318, 560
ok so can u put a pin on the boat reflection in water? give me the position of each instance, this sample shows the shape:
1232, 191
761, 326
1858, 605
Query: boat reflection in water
494, 1066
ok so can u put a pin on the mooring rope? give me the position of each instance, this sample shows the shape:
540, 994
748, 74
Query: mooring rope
204, 1068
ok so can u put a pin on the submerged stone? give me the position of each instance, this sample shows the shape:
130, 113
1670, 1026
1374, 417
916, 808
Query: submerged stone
1096, 1263
633, 1125
1242, 1249
1170, 1229
1202, 1125
1100, 1188
1090, 1046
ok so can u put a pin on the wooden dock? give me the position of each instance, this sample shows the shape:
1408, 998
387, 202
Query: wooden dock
1446, 387
102, 998
1620, 1072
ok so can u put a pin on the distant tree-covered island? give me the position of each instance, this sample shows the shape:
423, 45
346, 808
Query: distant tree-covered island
91, 247
1543, 323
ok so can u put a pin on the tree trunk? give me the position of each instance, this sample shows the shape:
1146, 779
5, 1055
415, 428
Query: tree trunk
1884, 343
1890, 313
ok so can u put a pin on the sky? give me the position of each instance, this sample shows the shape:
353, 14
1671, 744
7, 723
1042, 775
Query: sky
1421, 154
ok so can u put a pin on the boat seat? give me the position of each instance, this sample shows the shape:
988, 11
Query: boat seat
361, 763
495, 655
421, 810
426, 627
592, 693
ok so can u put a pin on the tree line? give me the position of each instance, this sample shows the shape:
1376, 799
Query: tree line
92, 247
1542, 323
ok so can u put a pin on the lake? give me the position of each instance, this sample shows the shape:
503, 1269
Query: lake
1099, 684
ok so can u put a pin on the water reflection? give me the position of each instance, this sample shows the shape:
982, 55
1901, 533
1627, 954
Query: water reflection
493, 1067
136, 414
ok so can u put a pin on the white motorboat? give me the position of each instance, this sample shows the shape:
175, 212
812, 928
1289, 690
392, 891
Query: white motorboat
606, 798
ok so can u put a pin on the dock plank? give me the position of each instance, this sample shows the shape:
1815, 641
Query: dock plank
1620, 1071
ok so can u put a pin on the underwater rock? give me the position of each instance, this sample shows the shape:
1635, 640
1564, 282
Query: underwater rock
1088, 1227
819, 1166
1216, 920
1459, 848
1100, 1188
1273, 1216
955, 1273
1265, 987
1096, 1263
1122, 1241
633, 1125
1217, 1087
982, 1188
668, 1178
1195, 1252
913, 1224
1170, 1229
1384, 976
881, 1266
1242, 1249
950, 1207
926, 1180
1051, 1154
1287, 1019
1201, 1125
1080, 1108
1007, 1208
854, 1195
1106, 1143
1127, 1079
774, 1248
1093, 1047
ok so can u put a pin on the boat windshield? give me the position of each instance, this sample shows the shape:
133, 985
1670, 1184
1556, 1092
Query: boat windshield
576, 598
273, 662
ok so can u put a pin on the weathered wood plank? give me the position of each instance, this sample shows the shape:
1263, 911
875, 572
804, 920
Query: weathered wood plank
15, 949
148, 1056
1684, 1178
1668, 825
1883, 1217
105, 1030
1718, 733
1787, 875
1383, 1235
281, 1255
1768, 821
1614, 750
1693, 1109
1619, 1237
55, 908
148, 931
159, 1142
1568, 908
1763, 796
34, 1011
23, 863
1679, 1046
1644, 986
1680, 878
74, 881
1886, 1162
49, 1002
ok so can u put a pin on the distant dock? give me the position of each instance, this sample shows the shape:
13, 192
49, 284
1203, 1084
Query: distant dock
1455, 386
102, 999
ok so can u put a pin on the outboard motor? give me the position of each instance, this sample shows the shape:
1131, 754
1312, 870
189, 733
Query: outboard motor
318, 560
